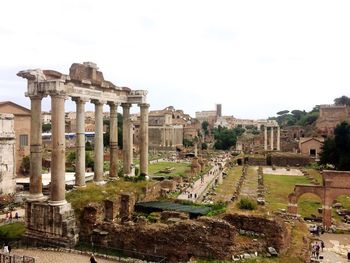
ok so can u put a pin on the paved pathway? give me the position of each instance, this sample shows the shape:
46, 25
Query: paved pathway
336, 248
42, 256
200, 186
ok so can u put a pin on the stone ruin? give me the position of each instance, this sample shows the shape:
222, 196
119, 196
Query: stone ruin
53, 221
7, 154
177, 237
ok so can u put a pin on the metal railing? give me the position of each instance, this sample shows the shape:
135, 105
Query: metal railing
7, 258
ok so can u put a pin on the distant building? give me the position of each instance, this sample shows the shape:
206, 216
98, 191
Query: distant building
311, 146
330, 116
46, 117
22, 130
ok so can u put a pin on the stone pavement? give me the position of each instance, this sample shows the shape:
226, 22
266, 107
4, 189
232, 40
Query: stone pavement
336, 248
199, 187
42, 256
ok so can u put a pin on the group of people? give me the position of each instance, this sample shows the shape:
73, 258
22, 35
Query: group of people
9, 216
316, 248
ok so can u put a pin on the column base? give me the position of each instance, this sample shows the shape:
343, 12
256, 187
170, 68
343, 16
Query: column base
57, 203
36, 198
79, 186
100, 182
47, 224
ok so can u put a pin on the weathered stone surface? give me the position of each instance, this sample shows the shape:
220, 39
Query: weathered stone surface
178, 242
7, 154
274, 231
57, 222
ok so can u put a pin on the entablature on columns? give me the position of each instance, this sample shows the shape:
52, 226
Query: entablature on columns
84, 81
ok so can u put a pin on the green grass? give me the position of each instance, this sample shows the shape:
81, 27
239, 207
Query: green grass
79, 198
280, 186
12, 231
225, 190
315, 174
180, 168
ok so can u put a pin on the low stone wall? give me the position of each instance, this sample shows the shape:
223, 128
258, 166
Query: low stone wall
273, 231
288, 160
206, 237
257, 161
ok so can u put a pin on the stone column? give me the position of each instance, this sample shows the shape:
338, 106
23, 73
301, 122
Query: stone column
292, 208
98, 142
58, 150
35, 186
127, 146
327, 216
113, 140
144, 139
271, 142
265, 138
278, 138
80, 142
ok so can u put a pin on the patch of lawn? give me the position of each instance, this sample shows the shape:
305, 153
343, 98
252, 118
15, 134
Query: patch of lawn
315, 174
12, 231
79, 198
280, 186
179, 168
225, 190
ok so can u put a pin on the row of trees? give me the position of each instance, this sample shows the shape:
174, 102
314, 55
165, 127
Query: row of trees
303, 118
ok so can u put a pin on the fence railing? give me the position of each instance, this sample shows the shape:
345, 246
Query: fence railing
87, 248
7, 258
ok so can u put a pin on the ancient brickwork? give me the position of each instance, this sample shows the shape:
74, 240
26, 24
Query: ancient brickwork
274, 231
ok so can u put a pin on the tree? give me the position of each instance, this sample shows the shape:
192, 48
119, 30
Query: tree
225, 138
46, 127
336, 150
343, 100
282, 112
205, 126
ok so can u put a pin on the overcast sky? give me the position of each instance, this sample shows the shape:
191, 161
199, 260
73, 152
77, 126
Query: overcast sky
254, 57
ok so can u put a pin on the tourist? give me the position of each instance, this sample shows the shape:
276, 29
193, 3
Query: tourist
322, 245
9, 248
317, 250
16, 216
92, 259
10, 216
6, 249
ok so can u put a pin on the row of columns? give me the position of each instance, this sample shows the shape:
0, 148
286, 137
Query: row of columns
58, 144
278, 141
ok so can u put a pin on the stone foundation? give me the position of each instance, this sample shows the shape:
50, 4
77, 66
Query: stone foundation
51, 225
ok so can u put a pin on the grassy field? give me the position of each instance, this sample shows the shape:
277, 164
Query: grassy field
315, 174
280, 186
97, 193
180, 168
225, 190
12, 231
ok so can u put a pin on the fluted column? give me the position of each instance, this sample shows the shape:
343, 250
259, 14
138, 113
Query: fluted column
80, 142
265, 138
113, 139
278, 138
35, 186
98, 142
58, 150
271, 142
127, 143
144, 139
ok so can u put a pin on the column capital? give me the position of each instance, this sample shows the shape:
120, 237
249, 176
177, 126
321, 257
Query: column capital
126, 105
113, 103
59, 95
98, 102
80, 99
36, 96
143, 105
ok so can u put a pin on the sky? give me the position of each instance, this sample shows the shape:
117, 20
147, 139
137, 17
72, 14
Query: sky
254, 57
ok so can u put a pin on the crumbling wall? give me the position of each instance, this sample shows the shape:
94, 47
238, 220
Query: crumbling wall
206, 237
274, 230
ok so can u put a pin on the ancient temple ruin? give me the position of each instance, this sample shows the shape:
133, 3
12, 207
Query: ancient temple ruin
7, 154
54, 218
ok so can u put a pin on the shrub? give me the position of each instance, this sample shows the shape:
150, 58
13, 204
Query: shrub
247, 204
